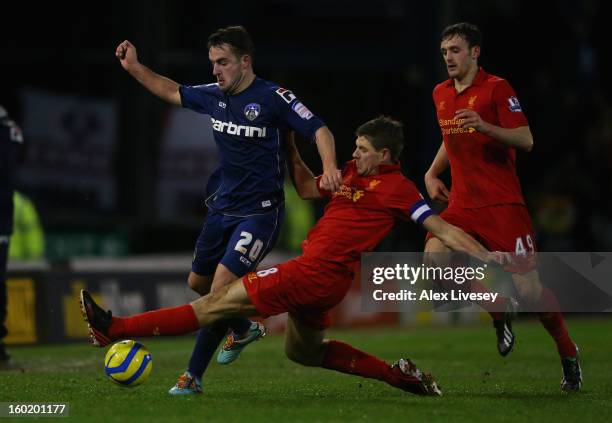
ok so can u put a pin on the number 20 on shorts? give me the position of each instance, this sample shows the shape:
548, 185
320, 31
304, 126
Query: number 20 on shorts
244, 242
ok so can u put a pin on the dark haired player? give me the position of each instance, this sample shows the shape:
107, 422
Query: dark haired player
250, 118
483, 125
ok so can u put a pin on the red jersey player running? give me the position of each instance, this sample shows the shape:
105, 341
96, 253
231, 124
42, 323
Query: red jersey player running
373, 195
483, 125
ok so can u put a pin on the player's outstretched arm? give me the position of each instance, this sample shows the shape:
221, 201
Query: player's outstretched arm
457, 240
302, 177
331, 179
435, 187
162, 87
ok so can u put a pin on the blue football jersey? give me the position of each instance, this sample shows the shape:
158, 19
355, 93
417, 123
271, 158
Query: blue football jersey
250, 129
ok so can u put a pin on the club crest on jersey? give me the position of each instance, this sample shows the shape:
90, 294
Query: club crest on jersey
373, 184
251, 111
514, 105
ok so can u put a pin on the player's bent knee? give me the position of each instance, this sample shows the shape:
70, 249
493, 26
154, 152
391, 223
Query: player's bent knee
293, 355
529, 288
305, 358
210, 308
226, 302
528, 293
307, 355
196, 286
223, 276
199, 284
218, 284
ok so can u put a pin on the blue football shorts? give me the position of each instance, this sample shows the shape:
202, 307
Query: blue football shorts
240, 243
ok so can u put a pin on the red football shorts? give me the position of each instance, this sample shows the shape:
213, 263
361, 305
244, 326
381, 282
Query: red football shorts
505, 227
305, 289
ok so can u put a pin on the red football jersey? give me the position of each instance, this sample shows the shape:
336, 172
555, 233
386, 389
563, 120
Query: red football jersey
361, 213
483, 170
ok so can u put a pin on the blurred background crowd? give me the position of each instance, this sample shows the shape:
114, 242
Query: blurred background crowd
113, 171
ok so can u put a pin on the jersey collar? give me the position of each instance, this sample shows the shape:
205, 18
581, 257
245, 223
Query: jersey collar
480, 78
388, 168
382, 168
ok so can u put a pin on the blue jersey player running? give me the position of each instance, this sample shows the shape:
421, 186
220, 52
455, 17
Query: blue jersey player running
250, 119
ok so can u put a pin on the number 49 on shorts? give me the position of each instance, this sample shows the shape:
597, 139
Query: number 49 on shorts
523, 241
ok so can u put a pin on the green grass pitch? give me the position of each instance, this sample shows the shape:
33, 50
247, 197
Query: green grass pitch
264, 386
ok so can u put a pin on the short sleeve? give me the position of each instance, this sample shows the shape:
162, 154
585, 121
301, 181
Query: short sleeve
197, 98
348, 171
294, 114
322, 192
509, 110
409, 203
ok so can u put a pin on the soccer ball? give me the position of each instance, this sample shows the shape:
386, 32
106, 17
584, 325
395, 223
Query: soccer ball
128, 363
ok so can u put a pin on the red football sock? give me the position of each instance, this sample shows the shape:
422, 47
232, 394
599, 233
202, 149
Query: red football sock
346, 359
166, 321
553, 322
496, 308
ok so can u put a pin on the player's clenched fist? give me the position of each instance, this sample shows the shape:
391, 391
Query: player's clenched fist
331, 179
126, 53
436, 189
471, 119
